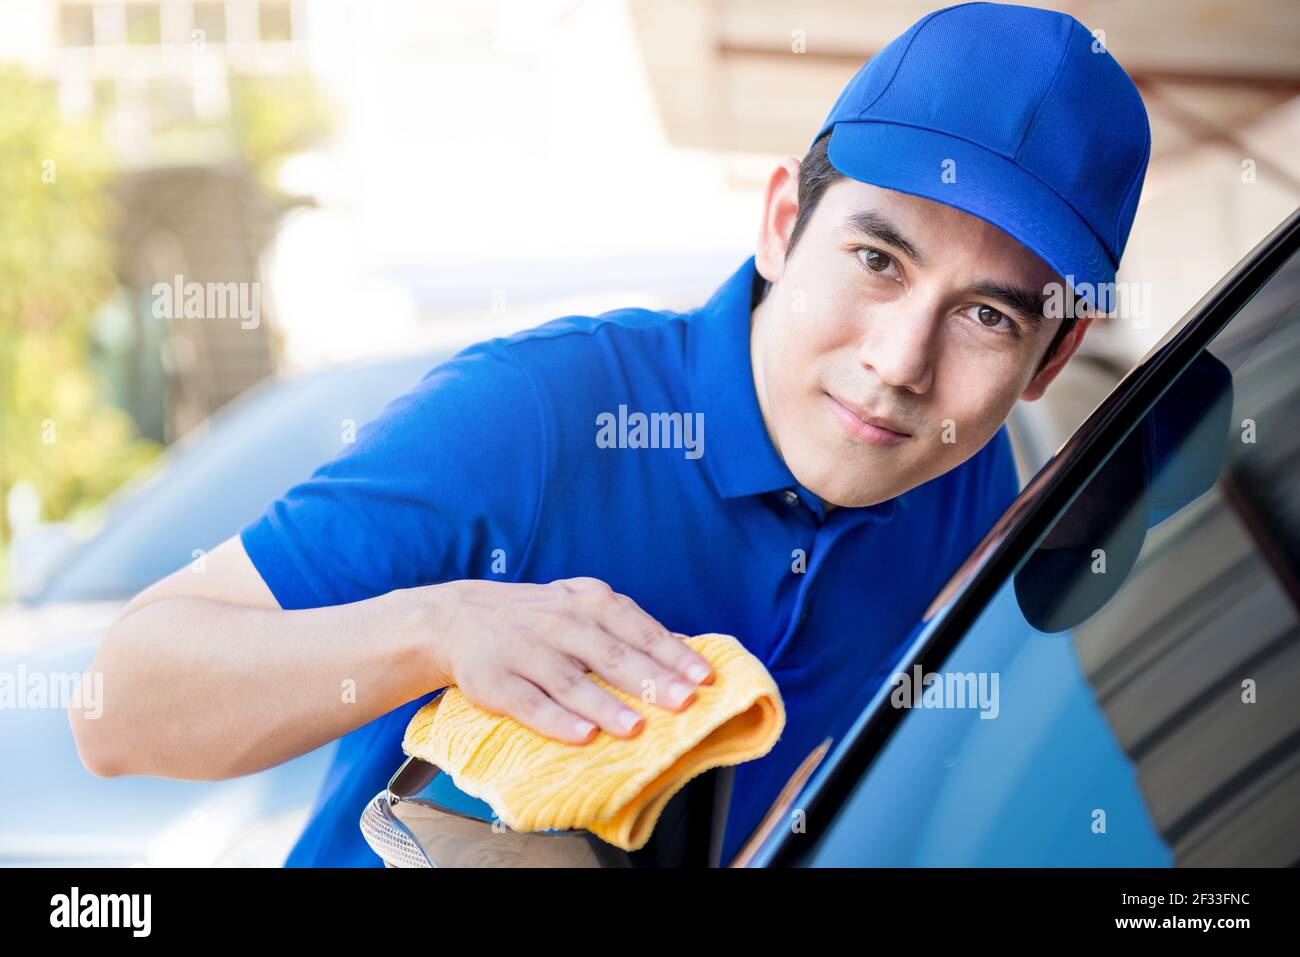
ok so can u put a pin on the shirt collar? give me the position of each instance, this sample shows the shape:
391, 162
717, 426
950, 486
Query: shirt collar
739, 455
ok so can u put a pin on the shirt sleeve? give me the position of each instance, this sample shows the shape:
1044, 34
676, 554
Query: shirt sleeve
446, 483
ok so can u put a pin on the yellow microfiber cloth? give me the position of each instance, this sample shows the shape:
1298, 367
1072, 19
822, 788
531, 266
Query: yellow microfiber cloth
613, 787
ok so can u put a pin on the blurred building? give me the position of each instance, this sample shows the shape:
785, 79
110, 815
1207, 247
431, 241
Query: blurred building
165, 80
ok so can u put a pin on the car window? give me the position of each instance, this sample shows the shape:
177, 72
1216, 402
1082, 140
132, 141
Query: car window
1128, 697
208, 488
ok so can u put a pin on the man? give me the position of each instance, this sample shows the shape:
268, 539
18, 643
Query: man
801, 462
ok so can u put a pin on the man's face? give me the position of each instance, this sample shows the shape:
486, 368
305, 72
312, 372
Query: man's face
897, 311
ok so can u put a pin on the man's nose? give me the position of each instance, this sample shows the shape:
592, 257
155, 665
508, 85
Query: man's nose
900, 345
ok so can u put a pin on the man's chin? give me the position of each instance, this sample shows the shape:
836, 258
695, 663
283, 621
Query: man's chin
856, 502
834, 493
851, 478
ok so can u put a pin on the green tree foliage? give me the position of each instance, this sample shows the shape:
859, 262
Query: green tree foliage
56, 430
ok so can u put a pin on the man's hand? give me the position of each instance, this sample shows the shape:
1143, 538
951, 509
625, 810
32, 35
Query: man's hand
524, 650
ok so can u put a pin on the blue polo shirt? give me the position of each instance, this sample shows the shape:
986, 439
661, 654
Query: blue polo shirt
522, 459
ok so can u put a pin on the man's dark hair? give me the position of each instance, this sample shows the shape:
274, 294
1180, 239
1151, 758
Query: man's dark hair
816, 173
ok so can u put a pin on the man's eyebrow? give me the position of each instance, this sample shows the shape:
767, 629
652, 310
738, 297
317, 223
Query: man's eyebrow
870, 223
1025, 302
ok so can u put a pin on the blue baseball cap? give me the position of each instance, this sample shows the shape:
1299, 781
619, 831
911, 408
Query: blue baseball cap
1013, 114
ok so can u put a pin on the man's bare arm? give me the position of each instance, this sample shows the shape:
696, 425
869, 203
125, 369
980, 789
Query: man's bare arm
205, 677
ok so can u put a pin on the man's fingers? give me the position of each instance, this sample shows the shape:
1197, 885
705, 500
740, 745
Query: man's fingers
709, 678
626, 620
625, 667
622, 617
532, 706
569, 684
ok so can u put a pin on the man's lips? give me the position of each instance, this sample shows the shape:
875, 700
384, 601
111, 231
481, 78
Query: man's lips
874, 430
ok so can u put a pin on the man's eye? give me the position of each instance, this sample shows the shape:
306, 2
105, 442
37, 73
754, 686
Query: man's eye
989, 317
874, 259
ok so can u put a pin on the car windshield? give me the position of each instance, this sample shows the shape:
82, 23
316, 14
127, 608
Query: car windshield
209, 487
1127, 698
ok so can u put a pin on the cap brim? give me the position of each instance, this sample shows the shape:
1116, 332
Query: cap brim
968, 177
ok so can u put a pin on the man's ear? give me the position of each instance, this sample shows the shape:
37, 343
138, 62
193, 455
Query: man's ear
780, 209
1064, 350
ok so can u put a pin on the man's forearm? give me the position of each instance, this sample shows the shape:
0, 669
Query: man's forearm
201, 690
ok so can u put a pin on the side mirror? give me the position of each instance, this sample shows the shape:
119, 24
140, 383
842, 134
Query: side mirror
1172, 457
